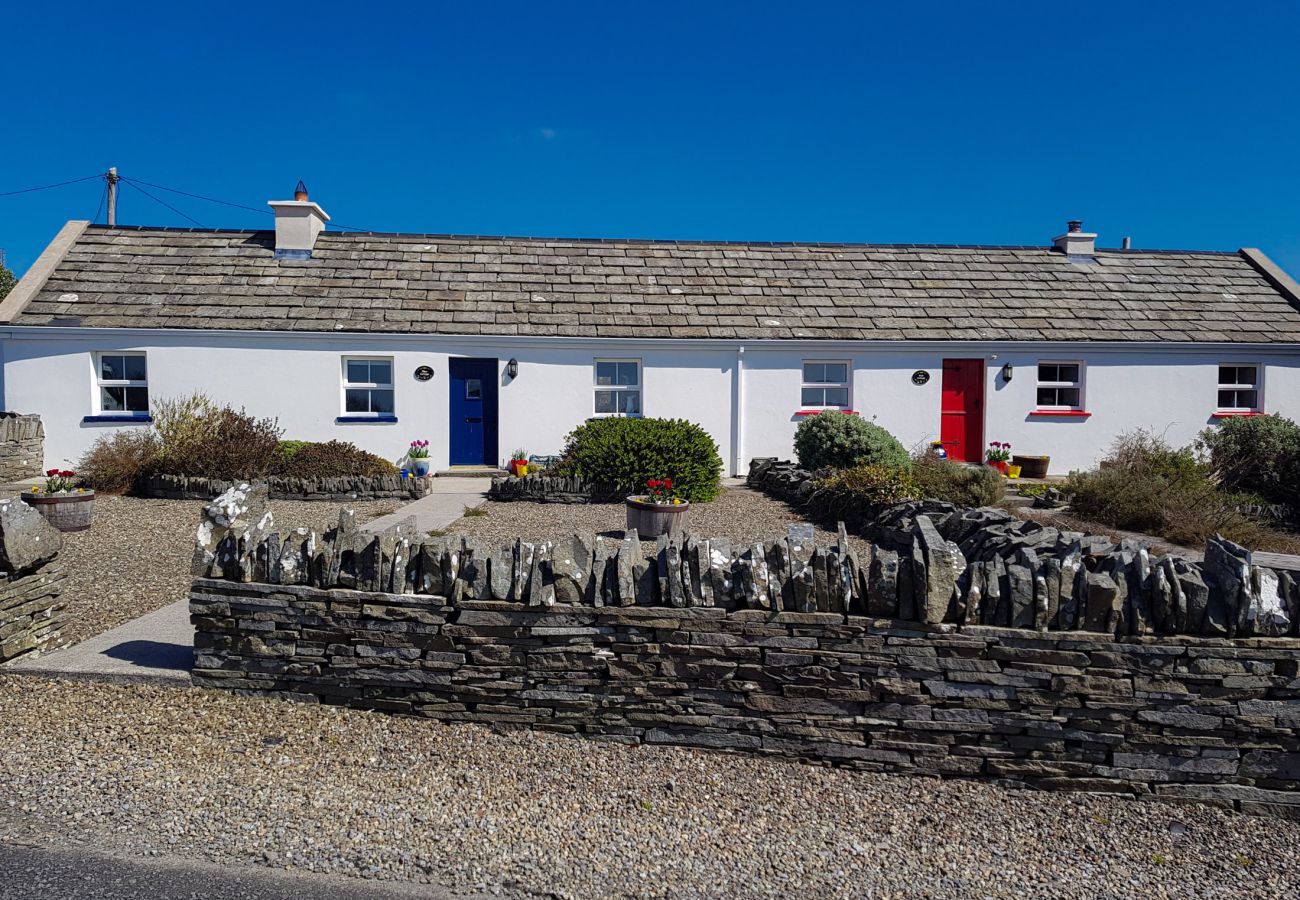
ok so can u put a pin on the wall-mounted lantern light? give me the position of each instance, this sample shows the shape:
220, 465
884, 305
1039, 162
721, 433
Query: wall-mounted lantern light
1006, 372
512, 369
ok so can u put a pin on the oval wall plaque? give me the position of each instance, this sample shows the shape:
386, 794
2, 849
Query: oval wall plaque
920, 376
423, 373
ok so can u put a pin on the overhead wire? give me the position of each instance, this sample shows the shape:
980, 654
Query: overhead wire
46, 187
164, 203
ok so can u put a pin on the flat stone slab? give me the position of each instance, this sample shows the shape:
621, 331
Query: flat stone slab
156, 647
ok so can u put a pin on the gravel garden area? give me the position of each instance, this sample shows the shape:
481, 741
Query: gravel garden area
136, 556
739, 514
152, 770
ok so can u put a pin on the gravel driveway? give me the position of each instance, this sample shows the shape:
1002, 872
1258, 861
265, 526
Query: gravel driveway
136, 557
738, 514
213, 775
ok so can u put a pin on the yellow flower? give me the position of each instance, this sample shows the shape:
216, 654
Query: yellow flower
36, 489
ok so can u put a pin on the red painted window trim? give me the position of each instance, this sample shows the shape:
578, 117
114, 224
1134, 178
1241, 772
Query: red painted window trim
1063, 413
1233, 415
813, 412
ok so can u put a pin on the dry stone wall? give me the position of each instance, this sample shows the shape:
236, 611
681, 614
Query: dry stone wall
553, 489
775, 649
22, 447
31, 582
339, 489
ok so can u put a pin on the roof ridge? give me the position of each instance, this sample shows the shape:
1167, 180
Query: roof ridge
671, 242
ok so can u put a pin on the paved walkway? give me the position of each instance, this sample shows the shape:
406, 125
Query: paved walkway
438, 509
158, 647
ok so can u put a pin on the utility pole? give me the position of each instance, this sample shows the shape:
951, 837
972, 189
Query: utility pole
112, 179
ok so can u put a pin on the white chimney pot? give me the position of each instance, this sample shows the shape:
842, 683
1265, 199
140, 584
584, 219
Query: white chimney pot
297, 225
1076, 242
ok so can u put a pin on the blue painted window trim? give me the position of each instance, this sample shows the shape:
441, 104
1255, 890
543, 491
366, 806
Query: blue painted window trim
119, 420
361, 420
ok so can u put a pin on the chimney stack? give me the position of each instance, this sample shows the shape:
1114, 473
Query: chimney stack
298, 222
1076, 243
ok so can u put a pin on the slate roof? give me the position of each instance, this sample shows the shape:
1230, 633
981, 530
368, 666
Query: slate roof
440, 284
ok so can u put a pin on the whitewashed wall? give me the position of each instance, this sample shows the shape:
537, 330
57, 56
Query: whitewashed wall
295, 378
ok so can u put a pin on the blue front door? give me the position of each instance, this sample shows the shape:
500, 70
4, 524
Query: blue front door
473, 412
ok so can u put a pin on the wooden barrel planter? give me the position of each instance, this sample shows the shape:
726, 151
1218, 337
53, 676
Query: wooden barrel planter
653, 519
1032, 466
66, 512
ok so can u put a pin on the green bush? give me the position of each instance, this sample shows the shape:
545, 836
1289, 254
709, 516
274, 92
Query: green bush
941, 479
833, 439
856, 495
1255, 454
115, 461
331, 459
627, 452
200, 439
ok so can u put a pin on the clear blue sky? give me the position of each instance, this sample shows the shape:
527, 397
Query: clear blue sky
955, 122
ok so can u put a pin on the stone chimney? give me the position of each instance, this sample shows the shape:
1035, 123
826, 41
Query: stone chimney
298, 222
1076, 243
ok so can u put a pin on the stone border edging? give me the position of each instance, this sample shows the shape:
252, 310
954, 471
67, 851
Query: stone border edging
339, 489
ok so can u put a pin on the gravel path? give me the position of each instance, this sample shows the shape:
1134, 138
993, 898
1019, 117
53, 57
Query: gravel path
213, 775
738, 514
136, 557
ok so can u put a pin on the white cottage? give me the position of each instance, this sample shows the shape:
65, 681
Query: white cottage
485, 344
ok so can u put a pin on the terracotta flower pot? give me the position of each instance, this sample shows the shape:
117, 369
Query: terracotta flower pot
66, 512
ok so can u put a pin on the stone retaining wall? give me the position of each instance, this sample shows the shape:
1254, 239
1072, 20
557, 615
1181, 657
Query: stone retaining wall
1181, 718
339, 490
22, 447
854, 653
553, 489
31, 582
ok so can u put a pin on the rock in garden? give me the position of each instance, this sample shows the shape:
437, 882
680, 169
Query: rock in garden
221, 525
27, 540
943, 565
571, 564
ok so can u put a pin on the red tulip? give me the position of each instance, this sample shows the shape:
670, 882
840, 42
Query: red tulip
51, 472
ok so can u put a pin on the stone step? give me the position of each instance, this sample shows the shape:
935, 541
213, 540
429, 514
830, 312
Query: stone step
472, 472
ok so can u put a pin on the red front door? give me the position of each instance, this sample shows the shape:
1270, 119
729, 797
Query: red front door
962, 415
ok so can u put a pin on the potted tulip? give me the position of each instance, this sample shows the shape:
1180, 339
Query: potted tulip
519, 463
419, 458
658, 511
998, 455
63, 504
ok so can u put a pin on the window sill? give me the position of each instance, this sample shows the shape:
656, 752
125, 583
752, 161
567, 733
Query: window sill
1226, 414
116, 420
365, 420
1061, 413
813, 412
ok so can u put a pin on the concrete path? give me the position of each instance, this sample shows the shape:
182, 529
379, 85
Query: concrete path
438, 509
158, 647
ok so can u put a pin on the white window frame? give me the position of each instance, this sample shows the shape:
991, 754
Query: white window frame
101, 382
345, 385
1081, 384
1257, 387
639, 387
847, 384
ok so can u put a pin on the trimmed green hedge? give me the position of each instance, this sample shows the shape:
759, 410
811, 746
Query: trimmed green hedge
628, 452
837, 440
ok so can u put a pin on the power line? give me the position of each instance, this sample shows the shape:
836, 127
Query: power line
102, 195
163, 203
200, 196
46, 187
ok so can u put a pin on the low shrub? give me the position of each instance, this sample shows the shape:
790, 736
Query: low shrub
855, 495
628, 452
1255, 454
832, 439
331, 459
942, 479
219, 443
288, 449
1145, 485
115, 461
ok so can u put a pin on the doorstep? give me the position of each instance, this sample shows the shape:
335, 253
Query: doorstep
473, 472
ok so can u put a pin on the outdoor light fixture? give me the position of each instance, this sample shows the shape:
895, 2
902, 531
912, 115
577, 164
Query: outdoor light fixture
1006, 372
512, 369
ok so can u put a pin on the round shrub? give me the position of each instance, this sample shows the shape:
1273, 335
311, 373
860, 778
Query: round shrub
942, 479
331, 459
837, 440
1256, 454
628, 452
